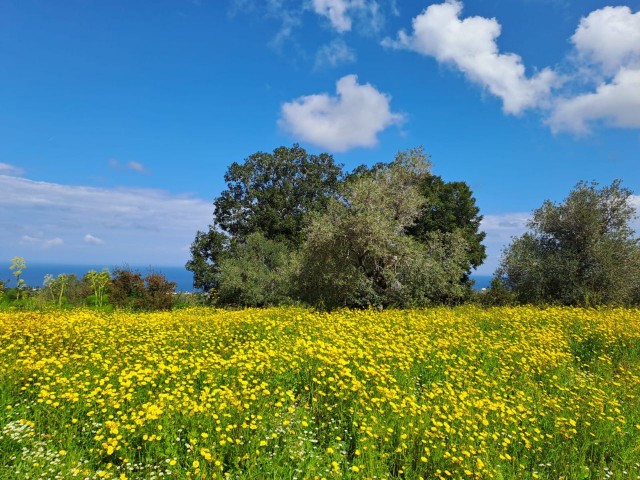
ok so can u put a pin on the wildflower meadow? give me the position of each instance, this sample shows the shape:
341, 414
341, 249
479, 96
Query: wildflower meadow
289, 393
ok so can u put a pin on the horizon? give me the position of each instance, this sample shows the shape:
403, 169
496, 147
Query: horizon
120, 120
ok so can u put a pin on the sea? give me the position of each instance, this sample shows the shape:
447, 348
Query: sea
34, 274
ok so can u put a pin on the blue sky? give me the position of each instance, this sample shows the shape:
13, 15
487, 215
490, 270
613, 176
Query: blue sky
118, 119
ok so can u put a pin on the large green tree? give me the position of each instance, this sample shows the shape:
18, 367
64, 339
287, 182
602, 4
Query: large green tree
448, 209
358, 252
269, 193
272, 193
451, 208
579, 252
206, 251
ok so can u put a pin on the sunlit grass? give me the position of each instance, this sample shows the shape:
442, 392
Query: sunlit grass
289, 393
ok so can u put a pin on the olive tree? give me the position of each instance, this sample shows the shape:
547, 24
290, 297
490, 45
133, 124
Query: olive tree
358, 253
578, 252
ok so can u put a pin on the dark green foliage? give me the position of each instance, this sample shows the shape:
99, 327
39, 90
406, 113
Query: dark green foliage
272, 193
450, 207
579, 252
256, 273
289, 227
496, 295
206, 251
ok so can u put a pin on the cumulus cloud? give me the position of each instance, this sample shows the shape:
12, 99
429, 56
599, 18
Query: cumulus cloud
607, 44
335, 11
134, 225
617, 104
470, 45
7, 169
335, 53
353, 118
609, 37
91, 240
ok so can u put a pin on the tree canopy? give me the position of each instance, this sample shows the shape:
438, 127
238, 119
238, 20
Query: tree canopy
272, 193
358, 252
290, 226
579, 252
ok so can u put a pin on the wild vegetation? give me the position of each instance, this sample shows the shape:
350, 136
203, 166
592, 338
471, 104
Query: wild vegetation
504, 393
294, 228
120, 387
122, 287
582, 251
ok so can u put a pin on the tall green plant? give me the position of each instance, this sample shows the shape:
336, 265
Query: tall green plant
17, 267
99, 282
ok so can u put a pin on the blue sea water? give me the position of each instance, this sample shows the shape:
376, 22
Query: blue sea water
34, 274
481, 281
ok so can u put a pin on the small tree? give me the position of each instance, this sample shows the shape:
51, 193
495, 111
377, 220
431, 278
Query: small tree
159, 292
257, 273
579, 252
17, 267
127, 288
57, 286
207, 250
99, 282
448, 208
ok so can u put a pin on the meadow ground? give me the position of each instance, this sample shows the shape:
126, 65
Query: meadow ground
288, 393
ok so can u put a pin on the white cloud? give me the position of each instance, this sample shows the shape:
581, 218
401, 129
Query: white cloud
353, 118
617, 104
42, 243
53, 242
135, 225
609, 37
470, 45
500, 229
335, 53
132, 165
335, 11
91, 240
342, 13
7, 169
607, 43
136, 167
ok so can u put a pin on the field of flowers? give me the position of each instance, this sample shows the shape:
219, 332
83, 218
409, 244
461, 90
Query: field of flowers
290, 394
